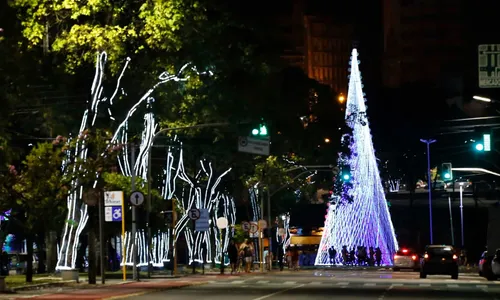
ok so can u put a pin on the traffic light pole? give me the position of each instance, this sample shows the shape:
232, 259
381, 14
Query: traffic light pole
429, 183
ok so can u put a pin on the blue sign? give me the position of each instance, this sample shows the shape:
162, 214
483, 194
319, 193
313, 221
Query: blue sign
113, 213
202, 223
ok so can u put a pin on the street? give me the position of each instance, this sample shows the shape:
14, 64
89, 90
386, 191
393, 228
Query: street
335, 284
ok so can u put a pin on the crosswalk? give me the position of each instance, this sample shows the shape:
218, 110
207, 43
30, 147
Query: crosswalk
355, 284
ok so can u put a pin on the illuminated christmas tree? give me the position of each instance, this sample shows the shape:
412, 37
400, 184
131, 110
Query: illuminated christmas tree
358, 214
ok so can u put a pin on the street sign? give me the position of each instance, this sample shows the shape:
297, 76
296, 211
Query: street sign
254, 229
489, 65
262, 224
113, 213
194, 214
113, 198
252, 145
222, 223
136, 198
245, 226
202, 224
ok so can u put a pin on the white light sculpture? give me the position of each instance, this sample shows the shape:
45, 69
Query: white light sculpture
366, 221
77, 216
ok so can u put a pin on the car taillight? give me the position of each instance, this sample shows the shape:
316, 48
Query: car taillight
395, 256
414, 257
405, 250
455, 257
426, 255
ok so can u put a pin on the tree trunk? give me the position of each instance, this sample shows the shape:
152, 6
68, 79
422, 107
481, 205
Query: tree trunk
51, 251
42, 252
29, 260
92, 273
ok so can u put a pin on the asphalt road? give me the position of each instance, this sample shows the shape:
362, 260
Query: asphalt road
333, 284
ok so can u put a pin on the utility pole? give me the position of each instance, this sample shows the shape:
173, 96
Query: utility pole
134, 224
429, 183
102, 240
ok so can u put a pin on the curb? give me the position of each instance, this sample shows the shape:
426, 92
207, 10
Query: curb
41, 285
155, 290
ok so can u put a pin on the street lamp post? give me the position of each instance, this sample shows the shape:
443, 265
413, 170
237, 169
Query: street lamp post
429, 182
462, 213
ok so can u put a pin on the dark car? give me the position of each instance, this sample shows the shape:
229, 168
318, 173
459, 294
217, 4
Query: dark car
439, 259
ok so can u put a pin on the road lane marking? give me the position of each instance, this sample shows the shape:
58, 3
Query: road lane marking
397, 284
452, 285
481, 286
370, 284
237, 281
424, 285
289, 282
278, 292
343, 283
263, 281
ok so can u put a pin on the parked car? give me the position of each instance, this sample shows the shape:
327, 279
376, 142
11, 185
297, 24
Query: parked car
481, 263
439, 260
406, 259
19, 263
437, 185
495, 264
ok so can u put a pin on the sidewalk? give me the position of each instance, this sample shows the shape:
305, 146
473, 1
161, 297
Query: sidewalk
113, 289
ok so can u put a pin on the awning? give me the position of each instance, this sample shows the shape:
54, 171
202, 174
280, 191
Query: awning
305, 240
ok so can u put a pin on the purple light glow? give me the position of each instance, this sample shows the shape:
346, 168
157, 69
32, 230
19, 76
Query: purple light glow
366, 221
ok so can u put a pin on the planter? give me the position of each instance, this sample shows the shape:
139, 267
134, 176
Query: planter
70, 275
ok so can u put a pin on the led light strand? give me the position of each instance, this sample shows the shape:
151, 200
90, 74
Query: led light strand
366, 221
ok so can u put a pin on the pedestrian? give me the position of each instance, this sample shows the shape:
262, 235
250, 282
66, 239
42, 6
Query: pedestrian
289, 258
352, 255
332, 253
345, 255
232, 252
372, 256
378, 256
248, 252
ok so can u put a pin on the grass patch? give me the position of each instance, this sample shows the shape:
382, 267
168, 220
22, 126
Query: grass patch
20, 280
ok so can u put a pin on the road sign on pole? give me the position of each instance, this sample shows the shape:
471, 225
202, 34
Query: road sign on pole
202, 224
113, 213
194, 214
252, 145
489, 65
113, 198
262, 224
136, 198
245, 226
254, 229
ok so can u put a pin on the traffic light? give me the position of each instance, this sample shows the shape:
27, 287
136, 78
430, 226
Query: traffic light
446, 171
485, 144
260, 131
345, 175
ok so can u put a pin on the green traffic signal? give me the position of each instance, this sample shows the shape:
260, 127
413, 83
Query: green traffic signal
479, 147
261, 131
447, 176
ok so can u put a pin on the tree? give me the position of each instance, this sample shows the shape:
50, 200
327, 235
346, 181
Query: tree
39, 192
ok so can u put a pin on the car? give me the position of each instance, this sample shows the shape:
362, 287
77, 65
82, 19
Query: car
406, 259
495, 264
481, 263
439, 260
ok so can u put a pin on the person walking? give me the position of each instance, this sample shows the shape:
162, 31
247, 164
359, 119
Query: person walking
232, 252
248, 253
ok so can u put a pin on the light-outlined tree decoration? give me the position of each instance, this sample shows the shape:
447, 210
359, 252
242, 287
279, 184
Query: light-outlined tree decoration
364, 221
202, 192
77, 216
